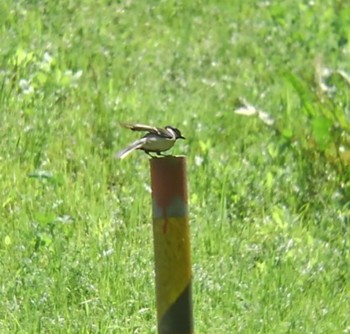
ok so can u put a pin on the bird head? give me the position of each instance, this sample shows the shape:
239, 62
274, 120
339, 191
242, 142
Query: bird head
177, 132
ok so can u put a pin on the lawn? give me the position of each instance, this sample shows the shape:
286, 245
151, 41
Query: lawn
260, 90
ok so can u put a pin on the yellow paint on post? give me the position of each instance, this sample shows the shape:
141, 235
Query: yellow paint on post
172, 260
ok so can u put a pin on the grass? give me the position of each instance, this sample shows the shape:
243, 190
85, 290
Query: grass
269, 201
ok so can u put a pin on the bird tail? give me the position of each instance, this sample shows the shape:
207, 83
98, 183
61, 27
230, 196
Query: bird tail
132, 147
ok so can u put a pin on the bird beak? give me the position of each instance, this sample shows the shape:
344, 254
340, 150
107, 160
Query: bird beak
182, 137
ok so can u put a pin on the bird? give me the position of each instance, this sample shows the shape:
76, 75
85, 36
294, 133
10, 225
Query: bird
156, 140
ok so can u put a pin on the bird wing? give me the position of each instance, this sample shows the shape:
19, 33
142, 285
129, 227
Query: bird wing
148, 128
132, 147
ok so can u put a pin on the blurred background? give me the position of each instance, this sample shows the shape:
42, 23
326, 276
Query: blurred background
260, 90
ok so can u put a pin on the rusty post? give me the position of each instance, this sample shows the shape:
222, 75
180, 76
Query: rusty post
171, 245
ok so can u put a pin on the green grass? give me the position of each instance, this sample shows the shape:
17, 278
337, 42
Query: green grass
269, 204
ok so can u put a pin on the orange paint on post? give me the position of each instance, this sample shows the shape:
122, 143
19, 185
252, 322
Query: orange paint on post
169, 188
172, 172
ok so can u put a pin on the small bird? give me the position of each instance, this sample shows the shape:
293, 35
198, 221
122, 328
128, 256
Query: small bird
157, 140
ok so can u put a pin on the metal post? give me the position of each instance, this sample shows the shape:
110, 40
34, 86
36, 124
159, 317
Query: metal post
171, 245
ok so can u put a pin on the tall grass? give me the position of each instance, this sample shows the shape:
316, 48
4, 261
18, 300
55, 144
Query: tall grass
261, 92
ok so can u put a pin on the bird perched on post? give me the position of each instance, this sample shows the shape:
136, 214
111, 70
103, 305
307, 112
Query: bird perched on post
156, 140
